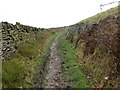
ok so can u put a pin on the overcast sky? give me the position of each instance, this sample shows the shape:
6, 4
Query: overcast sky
50, 13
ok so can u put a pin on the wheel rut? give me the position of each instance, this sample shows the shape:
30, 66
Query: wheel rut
53, 78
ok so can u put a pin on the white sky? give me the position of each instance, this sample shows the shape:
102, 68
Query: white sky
49, 13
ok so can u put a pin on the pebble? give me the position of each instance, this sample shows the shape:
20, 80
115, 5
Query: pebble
53, 76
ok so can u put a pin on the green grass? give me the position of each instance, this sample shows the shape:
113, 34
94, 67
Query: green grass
98, 64
96, 18
21, 69
0, 74
17, 72
70, 69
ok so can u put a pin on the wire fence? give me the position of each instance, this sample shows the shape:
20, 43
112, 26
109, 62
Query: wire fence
103, 5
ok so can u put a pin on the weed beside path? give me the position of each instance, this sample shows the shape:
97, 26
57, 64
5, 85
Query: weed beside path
71, 70
20, 70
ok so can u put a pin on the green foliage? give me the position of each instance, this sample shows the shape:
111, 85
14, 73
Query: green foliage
28, 50
96, 18
17, 72
71, 70
21, 69
97, 47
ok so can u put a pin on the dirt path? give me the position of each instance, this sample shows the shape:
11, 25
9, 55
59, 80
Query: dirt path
54, 78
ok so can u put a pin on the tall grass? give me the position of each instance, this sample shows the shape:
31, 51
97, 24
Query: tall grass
21, 69
72, 72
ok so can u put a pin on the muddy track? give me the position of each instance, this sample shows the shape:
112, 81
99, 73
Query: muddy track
53, 77
50, 71
39, 77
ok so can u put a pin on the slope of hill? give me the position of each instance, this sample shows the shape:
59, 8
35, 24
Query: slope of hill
89, 52
23, 49
96, 42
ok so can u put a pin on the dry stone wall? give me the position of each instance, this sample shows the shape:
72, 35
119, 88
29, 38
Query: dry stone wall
11, 35
0, 41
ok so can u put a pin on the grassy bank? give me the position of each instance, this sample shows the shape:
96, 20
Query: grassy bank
96, 19
20, 70
72, 70
96, 40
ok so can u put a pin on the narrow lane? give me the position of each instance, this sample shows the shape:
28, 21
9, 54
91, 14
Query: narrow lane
54, 77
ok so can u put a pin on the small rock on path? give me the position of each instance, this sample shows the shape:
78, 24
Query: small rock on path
54, 76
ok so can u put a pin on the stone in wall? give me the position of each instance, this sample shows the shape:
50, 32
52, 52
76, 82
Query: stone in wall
1, 58
15, 34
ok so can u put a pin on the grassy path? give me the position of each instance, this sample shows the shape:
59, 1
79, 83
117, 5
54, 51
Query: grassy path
70, 67
20, 71
54, 77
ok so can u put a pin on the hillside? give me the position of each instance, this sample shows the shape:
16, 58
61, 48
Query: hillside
22, 52
83, 55
96, 41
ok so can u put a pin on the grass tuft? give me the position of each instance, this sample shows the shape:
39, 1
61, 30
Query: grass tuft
71, 72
